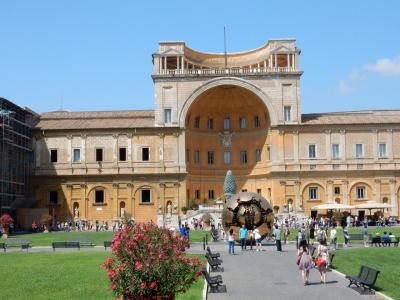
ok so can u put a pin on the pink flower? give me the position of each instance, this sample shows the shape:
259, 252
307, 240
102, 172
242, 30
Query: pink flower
138, 265
153, 285
113, 286
142, 285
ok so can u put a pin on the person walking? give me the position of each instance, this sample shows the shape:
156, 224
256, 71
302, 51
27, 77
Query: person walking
312, 233
365, 235
321, 261
346, 236
333, 236
321, 234
257, 236
304, 261
277, 234
231, 242
251, 237
243, 235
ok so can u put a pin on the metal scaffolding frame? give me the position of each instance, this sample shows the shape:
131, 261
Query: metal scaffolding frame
16, 163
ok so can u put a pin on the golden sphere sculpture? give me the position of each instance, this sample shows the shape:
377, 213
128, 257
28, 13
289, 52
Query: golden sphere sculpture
249, 209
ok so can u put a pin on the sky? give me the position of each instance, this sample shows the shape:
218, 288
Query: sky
96, 55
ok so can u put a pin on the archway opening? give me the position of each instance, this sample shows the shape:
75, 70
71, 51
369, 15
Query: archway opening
226, 129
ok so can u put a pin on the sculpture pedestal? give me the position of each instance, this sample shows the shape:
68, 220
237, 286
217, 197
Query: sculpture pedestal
160, 220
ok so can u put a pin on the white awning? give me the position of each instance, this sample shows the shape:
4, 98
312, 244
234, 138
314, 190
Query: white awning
333, 206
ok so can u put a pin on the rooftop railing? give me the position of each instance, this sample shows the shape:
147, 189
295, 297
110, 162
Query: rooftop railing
227, 71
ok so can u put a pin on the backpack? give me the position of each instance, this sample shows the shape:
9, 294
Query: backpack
303, 236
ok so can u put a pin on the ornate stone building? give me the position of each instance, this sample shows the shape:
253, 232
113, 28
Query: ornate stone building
213, 113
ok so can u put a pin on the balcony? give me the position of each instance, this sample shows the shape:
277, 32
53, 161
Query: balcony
217, 72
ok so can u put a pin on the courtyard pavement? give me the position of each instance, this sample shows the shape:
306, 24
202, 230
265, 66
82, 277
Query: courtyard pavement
274, 275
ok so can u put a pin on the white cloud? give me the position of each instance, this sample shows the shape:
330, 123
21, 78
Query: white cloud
356, 75
385, 66
344, 87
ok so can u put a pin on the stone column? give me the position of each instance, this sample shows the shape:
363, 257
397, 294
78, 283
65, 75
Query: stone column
375, 144
329, 191
38, 148
393, 198
84, 202
296, 146
114, 201
298, 205
276, 60
328, 144
377, 190
130, 205
281, 146
288, 60
69, 148
389, 145
115, 149
129, 148
293, 61
342, 147
345, 192
161, 207
83, 149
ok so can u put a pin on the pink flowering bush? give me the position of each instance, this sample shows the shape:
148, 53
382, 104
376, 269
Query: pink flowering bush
6, 220
148, 261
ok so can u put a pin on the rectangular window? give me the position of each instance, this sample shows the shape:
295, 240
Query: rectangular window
313, 193
227, 157
146, 196
259, 191
77, 155
335, 166
382, 150
211, 194
197, 156
244, 190
361, 192
197, 122
197, 194
99, 196
313, 167
53, 155
256, 122
335, 151
337, 190
287, 113
210, 123
258, 155
227, 124
99, 154
53, 197
243, 157
167, 116
359, 150
122, 154
210, 157
312, 153
242, 123
145, 154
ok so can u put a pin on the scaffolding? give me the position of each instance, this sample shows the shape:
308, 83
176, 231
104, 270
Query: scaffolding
16, 155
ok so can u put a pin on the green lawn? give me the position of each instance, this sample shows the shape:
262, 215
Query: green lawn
45, 239
383, 259
371, 230
73, 275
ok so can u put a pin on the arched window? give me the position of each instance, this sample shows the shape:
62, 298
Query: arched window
122, 209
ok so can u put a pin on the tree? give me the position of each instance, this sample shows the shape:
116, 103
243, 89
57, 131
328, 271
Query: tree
229, 184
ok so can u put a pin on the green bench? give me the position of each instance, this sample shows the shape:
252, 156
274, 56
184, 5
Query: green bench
83, 242
66, 245
358, 237
366, 278
107, 244
15, 242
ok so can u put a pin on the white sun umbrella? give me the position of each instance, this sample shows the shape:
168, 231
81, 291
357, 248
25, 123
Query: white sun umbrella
374, 205
333, 206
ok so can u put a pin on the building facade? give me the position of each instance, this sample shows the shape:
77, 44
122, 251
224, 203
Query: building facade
213, 113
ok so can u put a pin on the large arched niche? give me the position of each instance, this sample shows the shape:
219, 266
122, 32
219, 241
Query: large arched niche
220, 102
227, 81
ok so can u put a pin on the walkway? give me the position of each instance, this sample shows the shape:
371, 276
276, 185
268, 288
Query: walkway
273, 275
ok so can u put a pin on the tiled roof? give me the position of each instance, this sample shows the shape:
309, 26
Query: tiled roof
60, 120
352, 117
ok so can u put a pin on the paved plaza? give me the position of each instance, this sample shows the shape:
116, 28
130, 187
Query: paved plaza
273, 275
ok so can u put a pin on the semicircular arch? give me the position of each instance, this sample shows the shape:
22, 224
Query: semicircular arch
228, 81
